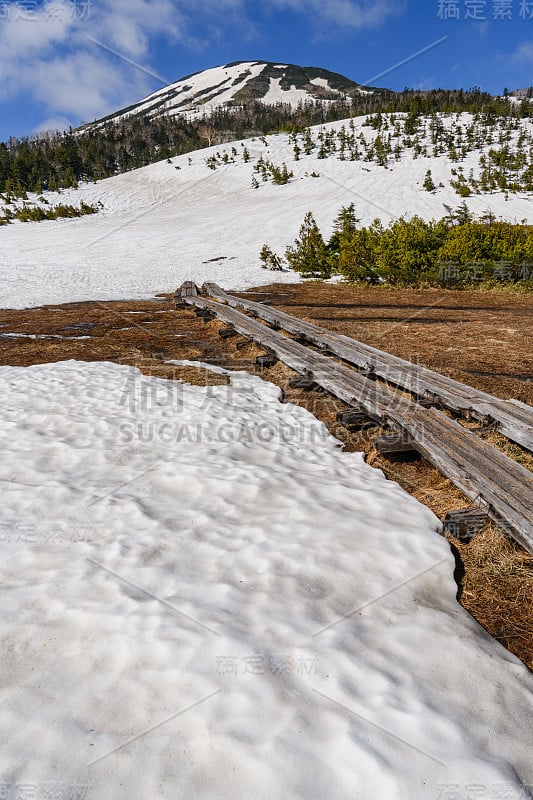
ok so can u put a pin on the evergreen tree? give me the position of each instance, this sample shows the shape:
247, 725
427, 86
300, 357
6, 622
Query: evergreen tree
309, 256
52, 161
429, 186
462, 214
344, 226
270, 260
346, 222
357, 254
280, 176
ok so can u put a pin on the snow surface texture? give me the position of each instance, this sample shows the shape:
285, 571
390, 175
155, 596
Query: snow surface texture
162, 225
214, 612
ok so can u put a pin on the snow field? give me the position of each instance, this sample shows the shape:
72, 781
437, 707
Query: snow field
160, 225
229, 616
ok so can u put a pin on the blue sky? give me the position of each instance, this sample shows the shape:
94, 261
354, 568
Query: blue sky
67, 61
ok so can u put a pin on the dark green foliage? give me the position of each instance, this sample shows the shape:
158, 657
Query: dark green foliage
346, 222
270, 260
454, 251
56, 161
280, 175
309, 256
343, 228
38, 214
429, 186
508, 169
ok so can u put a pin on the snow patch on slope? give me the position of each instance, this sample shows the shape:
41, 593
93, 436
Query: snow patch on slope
324, 84
290, 96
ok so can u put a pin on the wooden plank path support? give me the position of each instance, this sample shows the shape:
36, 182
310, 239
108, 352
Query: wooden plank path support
188, 289
395, 447
355, 418
465, 523
512, 418
208, 316
268, 360
227, 333
485, 475
303, 383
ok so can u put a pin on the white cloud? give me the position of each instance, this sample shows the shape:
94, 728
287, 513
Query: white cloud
523, 52
129, 24
81, 85
48, 55
21, 36
51, 57
52, 124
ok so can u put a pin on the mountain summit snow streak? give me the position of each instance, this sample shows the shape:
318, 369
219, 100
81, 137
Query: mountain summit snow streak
239, 83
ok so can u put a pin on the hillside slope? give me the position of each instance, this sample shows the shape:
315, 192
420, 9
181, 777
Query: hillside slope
199, 218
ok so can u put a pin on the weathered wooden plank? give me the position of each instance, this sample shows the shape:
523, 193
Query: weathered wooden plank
514, 419
189, 289
478, 469
214, 290
472, 464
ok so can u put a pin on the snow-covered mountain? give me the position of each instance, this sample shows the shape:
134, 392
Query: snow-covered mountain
241, 82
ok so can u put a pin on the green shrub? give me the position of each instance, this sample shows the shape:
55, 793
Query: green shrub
453, 251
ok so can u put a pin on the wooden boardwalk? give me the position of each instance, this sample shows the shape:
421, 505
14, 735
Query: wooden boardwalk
486, 476
512, 418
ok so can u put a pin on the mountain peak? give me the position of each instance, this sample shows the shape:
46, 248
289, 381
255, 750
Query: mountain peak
241, 82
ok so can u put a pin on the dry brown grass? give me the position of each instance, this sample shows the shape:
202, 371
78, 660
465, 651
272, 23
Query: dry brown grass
498, 580
512, 450
480, 338
497, 589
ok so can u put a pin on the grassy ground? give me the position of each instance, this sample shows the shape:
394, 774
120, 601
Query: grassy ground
481, 338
